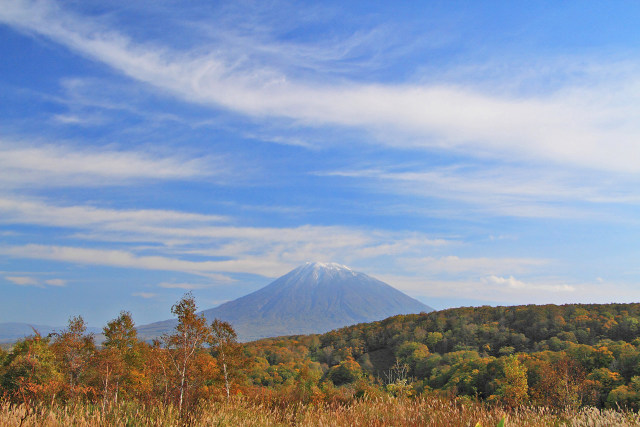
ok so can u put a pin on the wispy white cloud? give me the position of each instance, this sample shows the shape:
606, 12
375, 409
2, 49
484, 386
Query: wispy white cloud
478, 266
263, 251
91, 101
510, 281
36, 212
48, 165
506, 190
56, 282
180, 240
22, 280
513, 283
70, 119
145, 295
593, 124
510, 290
188, 286
258, 35
173, 227
115, 258
488, 279
32, 281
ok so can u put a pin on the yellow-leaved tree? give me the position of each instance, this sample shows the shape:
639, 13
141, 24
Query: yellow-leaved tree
189, 337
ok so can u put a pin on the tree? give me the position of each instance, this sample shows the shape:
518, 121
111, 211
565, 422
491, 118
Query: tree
118, 356
159, 370
411, 353
433, 338
30, 370
513, 387
346, 372
3, 356
604, 380
224, 346
561, 384
627, 396
74, 348
121, 333
189, 337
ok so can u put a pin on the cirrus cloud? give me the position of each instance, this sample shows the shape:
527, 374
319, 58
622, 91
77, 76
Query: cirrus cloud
32, 281
593, 124
54, 165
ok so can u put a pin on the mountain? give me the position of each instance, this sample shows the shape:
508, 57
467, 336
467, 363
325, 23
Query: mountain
313, 298
12, 331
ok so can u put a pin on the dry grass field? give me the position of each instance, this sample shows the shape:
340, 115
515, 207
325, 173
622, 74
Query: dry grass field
243, 411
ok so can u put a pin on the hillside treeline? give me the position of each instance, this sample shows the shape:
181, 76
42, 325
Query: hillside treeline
555, 356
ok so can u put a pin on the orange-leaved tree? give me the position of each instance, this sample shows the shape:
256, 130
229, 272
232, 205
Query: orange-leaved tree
74, 348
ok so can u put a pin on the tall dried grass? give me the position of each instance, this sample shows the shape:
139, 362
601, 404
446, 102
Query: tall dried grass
247, 411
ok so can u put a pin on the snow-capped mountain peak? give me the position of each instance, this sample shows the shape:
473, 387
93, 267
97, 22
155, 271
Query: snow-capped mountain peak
313, 298
318, 271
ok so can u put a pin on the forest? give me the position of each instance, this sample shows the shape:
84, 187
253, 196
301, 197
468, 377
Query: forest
543, 364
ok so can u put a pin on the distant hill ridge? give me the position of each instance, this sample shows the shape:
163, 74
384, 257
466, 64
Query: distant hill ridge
313, 298
13, 331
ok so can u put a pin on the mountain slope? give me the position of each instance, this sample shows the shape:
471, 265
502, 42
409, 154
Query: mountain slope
13, 331
313, 298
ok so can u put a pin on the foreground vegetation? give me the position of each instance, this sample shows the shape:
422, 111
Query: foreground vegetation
254, 411
528, 365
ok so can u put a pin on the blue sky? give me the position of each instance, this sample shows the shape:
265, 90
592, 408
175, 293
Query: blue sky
467, 153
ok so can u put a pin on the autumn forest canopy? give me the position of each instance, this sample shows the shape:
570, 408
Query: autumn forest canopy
558, 357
